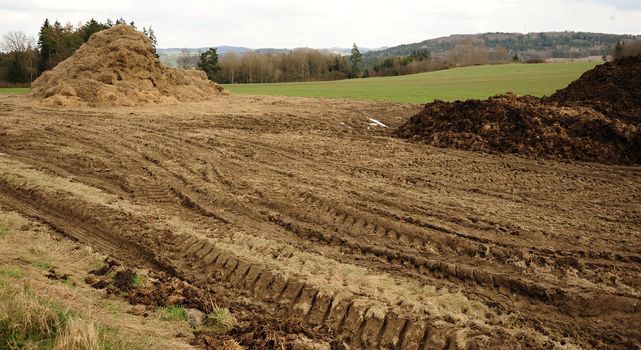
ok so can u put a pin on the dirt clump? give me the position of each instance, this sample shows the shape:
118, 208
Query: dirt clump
118, 67
53, 275
585, 121
124, 280
109, 264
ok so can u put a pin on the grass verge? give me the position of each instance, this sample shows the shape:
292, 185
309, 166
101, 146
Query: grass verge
28, 321
14, 91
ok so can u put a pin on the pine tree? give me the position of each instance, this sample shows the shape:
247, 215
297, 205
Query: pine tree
45, 46
356, 61
16, 71
91, 27
152, 36
208, 63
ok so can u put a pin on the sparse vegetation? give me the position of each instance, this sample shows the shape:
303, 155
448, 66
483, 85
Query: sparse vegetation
112, 307
43, 265
42, 261
37, 312
172, 313
28, 321
221, 320
11, 271
139, 280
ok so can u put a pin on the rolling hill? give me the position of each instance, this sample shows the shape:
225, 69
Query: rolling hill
542, 45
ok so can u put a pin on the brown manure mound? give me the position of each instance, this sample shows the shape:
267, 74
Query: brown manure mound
118, 67
613, 88
587, 125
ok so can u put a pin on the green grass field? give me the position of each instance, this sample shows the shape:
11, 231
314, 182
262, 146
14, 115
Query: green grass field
452, 84
17, 91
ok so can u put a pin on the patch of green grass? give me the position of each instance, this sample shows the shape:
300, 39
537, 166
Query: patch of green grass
14, 91
139, 281
172, 313
112, 308
111, 339
221, 320
451, 84
37, 252
27, 321
43, 265
43, 262
3, 231
11, 271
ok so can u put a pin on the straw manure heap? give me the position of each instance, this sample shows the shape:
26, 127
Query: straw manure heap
119, 67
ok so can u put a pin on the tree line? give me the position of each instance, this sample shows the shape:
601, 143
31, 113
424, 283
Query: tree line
296, 65
23, 58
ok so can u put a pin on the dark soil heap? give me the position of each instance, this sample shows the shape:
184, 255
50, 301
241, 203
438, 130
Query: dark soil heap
118, 67
593, 119
613, 88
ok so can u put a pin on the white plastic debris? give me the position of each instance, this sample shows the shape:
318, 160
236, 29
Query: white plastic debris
374, 122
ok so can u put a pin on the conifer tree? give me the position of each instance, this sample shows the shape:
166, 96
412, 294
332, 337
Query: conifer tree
356, 61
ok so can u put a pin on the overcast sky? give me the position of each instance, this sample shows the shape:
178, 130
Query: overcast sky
328, 23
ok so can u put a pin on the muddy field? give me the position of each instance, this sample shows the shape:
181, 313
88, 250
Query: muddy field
319, 229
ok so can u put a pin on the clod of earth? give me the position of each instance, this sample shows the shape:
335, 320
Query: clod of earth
124, 280
53, 275
106, 268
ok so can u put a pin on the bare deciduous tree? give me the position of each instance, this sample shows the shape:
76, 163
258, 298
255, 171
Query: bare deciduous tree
186, 59
16, 41
501, 54
230, 63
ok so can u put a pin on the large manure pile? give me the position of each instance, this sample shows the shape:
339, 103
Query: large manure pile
613, 88
118, 67
594, 119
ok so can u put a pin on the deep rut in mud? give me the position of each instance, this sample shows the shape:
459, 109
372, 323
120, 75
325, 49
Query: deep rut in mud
280, 209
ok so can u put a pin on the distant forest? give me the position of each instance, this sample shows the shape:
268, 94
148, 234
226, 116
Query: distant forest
268, 66
477, 49
24, 58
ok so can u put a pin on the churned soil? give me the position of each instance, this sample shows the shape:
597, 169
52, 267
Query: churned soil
317, 228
